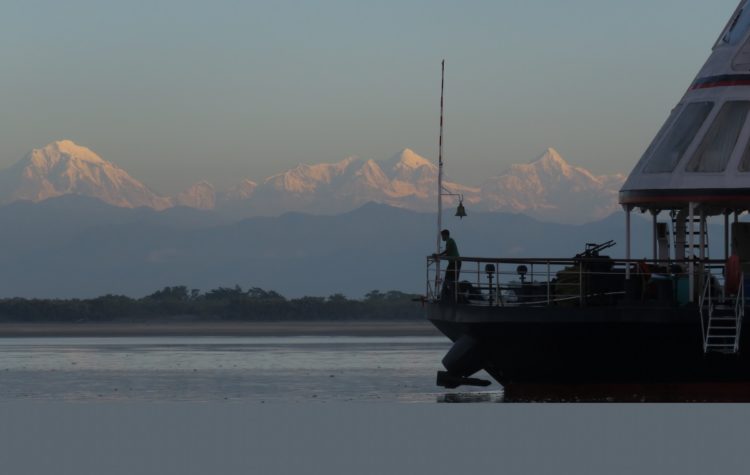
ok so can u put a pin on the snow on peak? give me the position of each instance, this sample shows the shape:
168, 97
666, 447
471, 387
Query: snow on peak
553, 155
54, 151
63, 168
372, 175
239, 192
551, 164
409, 158
406, 160
201, 196
551, 158
549, 188
308, 178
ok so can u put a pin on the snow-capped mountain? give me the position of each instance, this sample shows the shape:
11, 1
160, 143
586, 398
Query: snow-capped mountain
200, 196
405, 180
242, 191
551, 189
63, 168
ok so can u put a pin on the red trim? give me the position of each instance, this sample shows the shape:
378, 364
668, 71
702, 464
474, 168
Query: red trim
684, 199
730, 83
724, 80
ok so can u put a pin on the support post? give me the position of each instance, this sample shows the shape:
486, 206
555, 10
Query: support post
691, 256
627, 243
440, 182
655, 235
736, 222
440, 160
702, 236
726, 235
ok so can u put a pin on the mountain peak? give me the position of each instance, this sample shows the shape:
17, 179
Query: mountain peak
64, 167
55, 150
200, 196
409, 159
549, 188
551, 156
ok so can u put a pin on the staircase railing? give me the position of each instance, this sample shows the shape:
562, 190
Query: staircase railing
721, 322
705, 306
739, 311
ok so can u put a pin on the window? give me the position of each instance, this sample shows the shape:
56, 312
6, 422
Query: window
675, 112
668, 153
745, 162
720, 140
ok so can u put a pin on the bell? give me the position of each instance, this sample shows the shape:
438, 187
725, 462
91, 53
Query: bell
461, 211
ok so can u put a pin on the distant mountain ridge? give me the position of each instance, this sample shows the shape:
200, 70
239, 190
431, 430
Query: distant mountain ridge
548, 188
76, 246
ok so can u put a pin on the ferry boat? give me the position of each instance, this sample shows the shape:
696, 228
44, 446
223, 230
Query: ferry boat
666, 328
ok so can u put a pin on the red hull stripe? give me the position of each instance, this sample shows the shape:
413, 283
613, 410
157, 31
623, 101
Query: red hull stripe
721, 81
734, 197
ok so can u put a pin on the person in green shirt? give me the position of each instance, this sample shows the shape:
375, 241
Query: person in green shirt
454, 265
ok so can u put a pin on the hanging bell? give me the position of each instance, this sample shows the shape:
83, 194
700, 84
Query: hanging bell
461, 211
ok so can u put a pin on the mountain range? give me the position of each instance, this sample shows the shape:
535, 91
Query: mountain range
548, 188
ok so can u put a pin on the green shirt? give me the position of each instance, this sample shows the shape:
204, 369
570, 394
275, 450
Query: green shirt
451, 250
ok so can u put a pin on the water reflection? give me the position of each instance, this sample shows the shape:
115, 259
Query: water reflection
261, 369
471, 398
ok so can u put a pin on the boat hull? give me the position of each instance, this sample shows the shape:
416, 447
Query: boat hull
604, 346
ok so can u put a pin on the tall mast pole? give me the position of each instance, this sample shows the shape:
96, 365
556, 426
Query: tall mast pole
440, 160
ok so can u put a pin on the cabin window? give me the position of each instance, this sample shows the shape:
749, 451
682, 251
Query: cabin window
668, 153
675, 112
745, 162
738, 26
720, 140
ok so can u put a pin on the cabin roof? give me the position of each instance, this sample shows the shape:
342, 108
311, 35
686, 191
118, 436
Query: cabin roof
702, 152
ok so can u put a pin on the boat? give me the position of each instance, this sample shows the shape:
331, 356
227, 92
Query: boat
588, 326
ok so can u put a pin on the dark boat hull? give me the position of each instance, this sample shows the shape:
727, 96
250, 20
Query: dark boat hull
591, 347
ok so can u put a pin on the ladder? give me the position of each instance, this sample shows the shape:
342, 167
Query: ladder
722, 334
724, 321
682, 227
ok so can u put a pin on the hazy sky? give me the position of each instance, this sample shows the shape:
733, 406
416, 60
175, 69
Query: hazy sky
178, 91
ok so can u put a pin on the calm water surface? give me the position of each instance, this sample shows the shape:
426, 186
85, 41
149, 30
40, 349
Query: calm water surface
260, 369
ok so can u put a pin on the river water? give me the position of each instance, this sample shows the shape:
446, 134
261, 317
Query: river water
250, 369
309, 405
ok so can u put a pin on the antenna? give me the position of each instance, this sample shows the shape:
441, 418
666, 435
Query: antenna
440, 160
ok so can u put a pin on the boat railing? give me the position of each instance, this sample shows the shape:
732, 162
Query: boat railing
581, 281
706, 309
739, 308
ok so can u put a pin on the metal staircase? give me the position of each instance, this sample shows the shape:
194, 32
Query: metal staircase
721, 319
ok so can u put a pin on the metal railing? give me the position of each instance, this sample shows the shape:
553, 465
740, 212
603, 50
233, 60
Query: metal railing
566, 282
706, 311
739, 308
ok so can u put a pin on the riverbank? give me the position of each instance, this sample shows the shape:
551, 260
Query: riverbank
317, 328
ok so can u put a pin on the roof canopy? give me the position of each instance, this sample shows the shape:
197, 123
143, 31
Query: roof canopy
702, 153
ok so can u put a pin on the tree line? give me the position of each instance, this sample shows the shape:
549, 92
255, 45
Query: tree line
223, 303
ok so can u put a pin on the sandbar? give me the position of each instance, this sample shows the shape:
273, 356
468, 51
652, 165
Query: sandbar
119, 329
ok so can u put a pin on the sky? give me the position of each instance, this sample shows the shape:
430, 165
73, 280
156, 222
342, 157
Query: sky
181, 91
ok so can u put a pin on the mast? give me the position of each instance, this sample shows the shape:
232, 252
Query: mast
440, 160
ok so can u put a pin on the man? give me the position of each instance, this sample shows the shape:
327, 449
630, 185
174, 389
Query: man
454, 266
